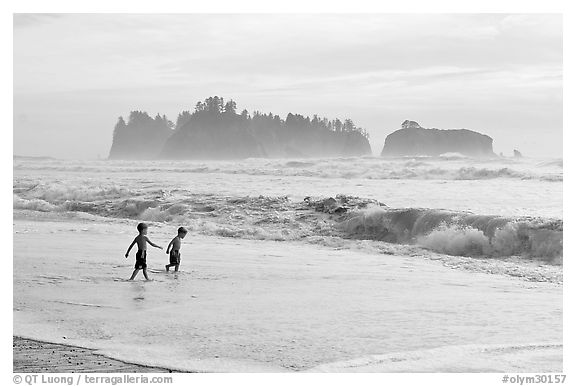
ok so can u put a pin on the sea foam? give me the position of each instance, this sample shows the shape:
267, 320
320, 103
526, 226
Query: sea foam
461, 234
249, 205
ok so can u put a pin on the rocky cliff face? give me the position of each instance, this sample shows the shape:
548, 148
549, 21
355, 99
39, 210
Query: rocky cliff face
414, 140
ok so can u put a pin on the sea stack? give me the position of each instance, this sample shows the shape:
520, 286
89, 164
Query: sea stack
414, 140
140, 138
214, 130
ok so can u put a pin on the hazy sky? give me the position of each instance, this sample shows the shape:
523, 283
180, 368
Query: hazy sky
74, 74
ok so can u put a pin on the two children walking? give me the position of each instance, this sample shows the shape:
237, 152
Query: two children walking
142, 240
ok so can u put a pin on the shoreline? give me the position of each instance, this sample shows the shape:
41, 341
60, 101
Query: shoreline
516, 267
36, 356
65, 358
367, 300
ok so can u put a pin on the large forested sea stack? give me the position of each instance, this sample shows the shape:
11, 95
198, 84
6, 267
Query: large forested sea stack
414, 140
216, 131
141, 138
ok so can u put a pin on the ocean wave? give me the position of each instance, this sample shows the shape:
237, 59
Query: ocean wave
460, 234
415, 168
558, 163
456, 358
299, 164
282, 219
61, 192
453, 155
33, 204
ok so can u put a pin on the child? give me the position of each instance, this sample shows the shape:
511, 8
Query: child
141, 240
176, 243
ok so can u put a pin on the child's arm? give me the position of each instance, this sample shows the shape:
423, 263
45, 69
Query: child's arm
169, 245
130, 247
151, 243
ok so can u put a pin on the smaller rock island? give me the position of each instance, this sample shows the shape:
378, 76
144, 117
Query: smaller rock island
414, 140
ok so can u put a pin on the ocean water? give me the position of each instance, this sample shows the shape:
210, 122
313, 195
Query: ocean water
414, 256
453, 205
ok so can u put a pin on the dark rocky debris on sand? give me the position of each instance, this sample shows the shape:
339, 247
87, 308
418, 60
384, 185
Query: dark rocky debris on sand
30, 356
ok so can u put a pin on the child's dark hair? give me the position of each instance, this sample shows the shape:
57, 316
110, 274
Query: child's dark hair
182, 230
141, 227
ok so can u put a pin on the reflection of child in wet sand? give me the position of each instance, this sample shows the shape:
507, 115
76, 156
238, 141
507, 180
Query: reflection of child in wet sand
176, 243
141, 240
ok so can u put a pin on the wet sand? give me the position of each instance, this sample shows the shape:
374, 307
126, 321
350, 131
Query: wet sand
31, 356
261, 306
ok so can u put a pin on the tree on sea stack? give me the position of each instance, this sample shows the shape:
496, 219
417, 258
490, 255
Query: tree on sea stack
230, 107
141, 137
216, 130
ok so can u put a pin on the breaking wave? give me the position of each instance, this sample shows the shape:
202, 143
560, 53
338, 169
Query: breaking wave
372, 168
460, 234
280, 218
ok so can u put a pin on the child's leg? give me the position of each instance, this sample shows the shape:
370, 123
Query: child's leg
176, 266
145, 273
172, 265
134, 274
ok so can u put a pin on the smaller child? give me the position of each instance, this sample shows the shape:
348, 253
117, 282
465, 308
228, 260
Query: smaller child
141, 240
176, 243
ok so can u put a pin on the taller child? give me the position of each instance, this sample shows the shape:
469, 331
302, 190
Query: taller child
141, 240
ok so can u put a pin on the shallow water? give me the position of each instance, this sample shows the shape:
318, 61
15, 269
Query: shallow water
240, 305
270, 284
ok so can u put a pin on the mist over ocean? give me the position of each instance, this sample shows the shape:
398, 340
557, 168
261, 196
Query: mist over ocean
325, 229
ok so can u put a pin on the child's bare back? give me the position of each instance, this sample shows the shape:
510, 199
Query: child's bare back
176, 243
174, 253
